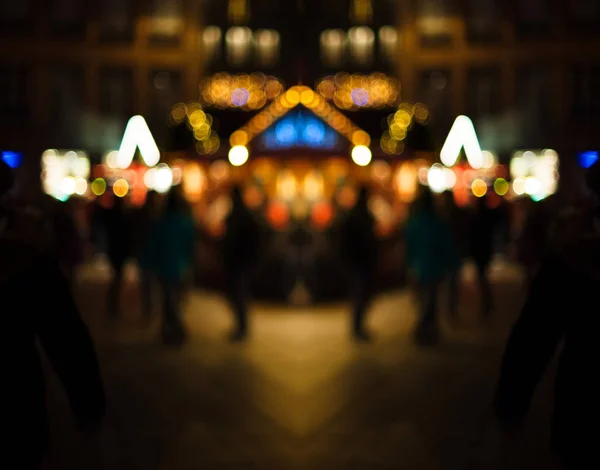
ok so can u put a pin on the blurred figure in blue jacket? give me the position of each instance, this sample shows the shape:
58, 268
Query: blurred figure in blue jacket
431, 256
171, 245
145, 219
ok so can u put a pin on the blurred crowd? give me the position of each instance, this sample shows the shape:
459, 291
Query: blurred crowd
557, 241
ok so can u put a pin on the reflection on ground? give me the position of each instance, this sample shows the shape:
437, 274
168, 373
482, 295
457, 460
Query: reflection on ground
299, 394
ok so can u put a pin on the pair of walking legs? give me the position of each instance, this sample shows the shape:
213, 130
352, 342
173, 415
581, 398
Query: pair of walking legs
238, 294
362, 289
427, 328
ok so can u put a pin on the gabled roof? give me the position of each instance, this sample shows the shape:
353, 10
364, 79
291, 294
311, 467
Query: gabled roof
299, 96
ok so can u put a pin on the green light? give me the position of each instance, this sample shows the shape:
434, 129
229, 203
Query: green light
98, 186
501, 186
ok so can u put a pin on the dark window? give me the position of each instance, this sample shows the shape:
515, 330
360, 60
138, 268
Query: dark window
15, 10
533, 17
15, 14
14, 98
586, 90
116, 93
484, 92
434, 89
67, 98
533, 98
165, 91
484, 20
117, 20
166, 22
584, 14
67, 17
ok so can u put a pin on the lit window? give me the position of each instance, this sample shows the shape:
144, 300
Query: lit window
333, 47
166, 21
211, 41
238, 11
361, 11
266, 43
362, 42
239, 43
388, 42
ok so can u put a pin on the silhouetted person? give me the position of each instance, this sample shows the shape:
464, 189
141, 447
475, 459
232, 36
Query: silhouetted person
171, 250
68, 240
455, 219
560, 308
37, 305
241, 249
360, 255
483, 227
532, 242
51, 221
146, 218
431, 256
118, 250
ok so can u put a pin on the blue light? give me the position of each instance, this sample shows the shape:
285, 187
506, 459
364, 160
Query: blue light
587, 159
285, 132
12, 159
299, 129
314, 132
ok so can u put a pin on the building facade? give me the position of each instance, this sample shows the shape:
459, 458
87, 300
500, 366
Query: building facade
73, 72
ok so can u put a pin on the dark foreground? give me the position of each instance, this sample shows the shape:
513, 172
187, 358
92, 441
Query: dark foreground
299, 394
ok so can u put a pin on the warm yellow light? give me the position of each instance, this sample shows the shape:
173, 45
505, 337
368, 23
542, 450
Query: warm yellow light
307, 97
121, 188
489, 160
436, 179
292, 96
81, 186
361, 155
112, 160
479, 187
532, 185
239, 138
238, 155
361, 138
519, 186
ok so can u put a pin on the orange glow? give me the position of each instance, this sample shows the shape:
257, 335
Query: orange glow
278, 215
322, 215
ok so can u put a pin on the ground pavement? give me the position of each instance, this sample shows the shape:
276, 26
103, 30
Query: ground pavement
299, 394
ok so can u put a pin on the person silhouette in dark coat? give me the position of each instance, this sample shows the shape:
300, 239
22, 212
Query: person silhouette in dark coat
118, 250
240, 252
483, 226
560, 308
37, 305
360, 255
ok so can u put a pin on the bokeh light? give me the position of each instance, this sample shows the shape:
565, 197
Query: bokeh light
361, 155
121, 187
479, 187
99, 186
238, 155
501, 186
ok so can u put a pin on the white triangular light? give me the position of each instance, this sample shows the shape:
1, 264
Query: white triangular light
462, 135
137, 135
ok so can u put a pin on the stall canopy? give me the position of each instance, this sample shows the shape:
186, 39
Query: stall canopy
299, 119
